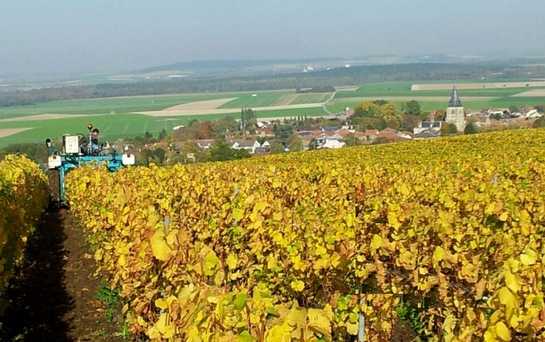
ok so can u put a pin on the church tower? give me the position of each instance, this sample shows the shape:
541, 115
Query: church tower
455, 111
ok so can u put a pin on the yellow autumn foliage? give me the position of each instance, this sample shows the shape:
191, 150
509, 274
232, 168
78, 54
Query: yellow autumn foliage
23, 198
456, 223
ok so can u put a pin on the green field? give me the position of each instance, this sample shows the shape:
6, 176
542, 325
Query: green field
116, 119
431, 100
113, 115
111, 127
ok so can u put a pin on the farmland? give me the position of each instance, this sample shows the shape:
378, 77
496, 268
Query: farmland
434, 95
123, 117
132, 116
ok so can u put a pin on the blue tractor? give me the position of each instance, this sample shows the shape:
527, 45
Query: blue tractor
78, 150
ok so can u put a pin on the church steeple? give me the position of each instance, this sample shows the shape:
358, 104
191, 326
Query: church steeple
455, 111
454, 99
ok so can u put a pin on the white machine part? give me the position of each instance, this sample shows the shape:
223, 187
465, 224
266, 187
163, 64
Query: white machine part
71, 144
54, 161
127, 159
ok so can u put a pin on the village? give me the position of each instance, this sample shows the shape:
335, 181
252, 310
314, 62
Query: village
263, 136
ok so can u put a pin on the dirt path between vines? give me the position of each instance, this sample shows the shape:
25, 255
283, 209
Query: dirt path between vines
52, 299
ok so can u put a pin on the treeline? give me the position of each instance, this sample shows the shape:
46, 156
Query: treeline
320, 89
313, 80
34, 151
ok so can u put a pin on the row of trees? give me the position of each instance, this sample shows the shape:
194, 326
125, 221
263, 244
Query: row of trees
34, 151
317, 80
318, 89
380, 114
190, 153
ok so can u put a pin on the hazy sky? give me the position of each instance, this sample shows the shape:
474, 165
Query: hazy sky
64, 36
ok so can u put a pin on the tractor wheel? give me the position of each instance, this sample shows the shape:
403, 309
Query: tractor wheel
54, 186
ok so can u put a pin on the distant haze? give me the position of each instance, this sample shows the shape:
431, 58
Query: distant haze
67, 36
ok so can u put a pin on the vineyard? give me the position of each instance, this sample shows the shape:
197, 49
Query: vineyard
315, 246
23, 198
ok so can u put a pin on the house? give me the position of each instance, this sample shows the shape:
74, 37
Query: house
388, 134
345, 131
334, 136
483, 121
370, 134
303, 134
306, 141
360, 135
204, 144
332, 143
329, 129
265, 131
496, 111
433, 126
532, 113
323, 140
405, 134
426, 134
248, 145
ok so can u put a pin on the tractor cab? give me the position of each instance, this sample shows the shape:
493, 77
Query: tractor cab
78, 150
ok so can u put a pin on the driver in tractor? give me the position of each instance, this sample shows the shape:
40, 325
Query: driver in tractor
78, 150
94, 148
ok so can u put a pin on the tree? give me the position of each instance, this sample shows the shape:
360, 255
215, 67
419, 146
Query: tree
203, 130
391, 114
514, 109
191, 152
223, 127
380, 103
440, 115
409, 122
35, 151
496, 116
158, 156
370, 123
193, 122
219, 151
283, 132
470, 128
394, 123
539, 122
412, 108
540, 108
155, 156
448, 129
352, 140
277, 146
248, 119
240, 154
162, 134
366, 109
295, 143
173, 158
313, 144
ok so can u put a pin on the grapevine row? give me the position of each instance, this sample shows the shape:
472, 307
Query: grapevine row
457, 223
23, 197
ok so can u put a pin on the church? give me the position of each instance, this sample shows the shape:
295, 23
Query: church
455, 111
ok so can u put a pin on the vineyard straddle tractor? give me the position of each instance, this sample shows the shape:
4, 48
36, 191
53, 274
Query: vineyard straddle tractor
78, 150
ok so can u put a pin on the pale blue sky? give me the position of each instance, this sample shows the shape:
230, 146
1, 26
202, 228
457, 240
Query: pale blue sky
64, 36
